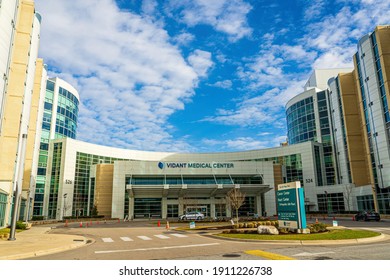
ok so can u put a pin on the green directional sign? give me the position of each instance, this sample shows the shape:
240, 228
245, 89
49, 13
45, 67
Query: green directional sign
290, 202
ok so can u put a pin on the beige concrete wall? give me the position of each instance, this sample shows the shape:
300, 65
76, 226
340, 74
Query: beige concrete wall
103, 188
353, 128
15, 91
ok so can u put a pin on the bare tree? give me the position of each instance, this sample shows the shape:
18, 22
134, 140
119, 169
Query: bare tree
347, 195
236, 199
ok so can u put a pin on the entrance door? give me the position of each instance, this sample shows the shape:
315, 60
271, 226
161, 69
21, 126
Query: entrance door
147, 208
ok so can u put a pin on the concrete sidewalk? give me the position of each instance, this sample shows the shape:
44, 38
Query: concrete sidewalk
38, 242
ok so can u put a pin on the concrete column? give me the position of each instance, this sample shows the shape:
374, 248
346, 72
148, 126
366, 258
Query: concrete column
164, 208
181, 208
258, 205
212, 207
131, 208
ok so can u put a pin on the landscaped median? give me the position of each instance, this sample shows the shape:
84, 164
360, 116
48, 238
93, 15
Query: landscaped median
319, 232
336, 234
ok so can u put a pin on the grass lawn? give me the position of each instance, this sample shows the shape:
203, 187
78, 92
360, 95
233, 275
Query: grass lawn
331, 235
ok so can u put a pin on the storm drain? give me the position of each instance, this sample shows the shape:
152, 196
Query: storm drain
231, 255
322, 258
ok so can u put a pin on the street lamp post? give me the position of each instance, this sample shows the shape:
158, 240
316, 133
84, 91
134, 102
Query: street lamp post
63, 215
327, 202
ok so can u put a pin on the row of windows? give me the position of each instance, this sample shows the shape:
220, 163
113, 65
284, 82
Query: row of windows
68, 95
380, 79
299, 104
331, 202
204, 180
67, 113
55, 179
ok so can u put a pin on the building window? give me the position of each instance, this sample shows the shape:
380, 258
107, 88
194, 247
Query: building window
147, 207
331, 203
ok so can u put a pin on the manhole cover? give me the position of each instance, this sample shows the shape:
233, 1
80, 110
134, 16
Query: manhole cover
231, 255
322, 258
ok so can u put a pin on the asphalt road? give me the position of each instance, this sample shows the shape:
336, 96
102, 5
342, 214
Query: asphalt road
147, 241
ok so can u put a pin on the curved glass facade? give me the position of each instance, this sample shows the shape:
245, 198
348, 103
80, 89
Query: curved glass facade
61, 106
301, 124
301, 127
67, 112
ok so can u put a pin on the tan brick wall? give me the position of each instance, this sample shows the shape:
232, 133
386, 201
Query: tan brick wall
103, 188
15, 90
353, 128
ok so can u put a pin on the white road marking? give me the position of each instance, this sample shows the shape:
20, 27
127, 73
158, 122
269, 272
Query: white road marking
178, 235
375, 228
126, 239
144, 237
157, 248
162, 236
107, 239
307, 254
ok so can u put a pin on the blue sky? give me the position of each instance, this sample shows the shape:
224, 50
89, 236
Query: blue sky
196, 75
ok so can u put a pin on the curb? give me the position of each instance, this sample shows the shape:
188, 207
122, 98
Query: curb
374, 239
81, 241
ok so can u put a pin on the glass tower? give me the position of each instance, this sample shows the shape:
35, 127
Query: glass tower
60, 115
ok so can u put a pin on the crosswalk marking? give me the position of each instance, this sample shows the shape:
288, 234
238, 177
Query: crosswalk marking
144, 237
178, 235
126, 239
107, 239
162, 236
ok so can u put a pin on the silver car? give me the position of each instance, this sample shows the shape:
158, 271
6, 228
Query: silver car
192, 216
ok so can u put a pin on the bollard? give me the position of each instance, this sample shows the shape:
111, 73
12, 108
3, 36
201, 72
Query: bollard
66, 223
316, 220
167, 226
81, 224
158, 223
119, 220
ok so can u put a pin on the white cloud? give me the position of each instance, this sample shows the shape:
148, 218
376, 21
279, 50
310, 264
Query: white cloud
129, 76
335, 36
245, 143
314, 9
225, 84
201, 62
227, 16
184, 38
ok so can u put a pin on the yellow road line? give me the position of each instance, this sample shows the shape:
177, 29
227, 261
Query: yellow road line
268, 255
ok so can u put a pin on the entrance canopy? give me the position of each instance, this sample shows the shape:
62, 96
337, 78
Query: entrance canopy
207, 191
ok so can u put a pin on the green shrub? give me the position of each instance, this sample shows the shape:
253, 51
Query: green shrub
315, 228
267, 223
21, 225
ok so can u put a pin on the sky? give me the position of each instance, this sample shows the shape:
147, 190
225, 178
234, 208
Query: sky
196, 75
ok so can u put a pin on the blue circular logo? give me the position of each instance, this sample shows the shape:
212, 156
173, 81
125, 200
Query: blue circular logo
161, 165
